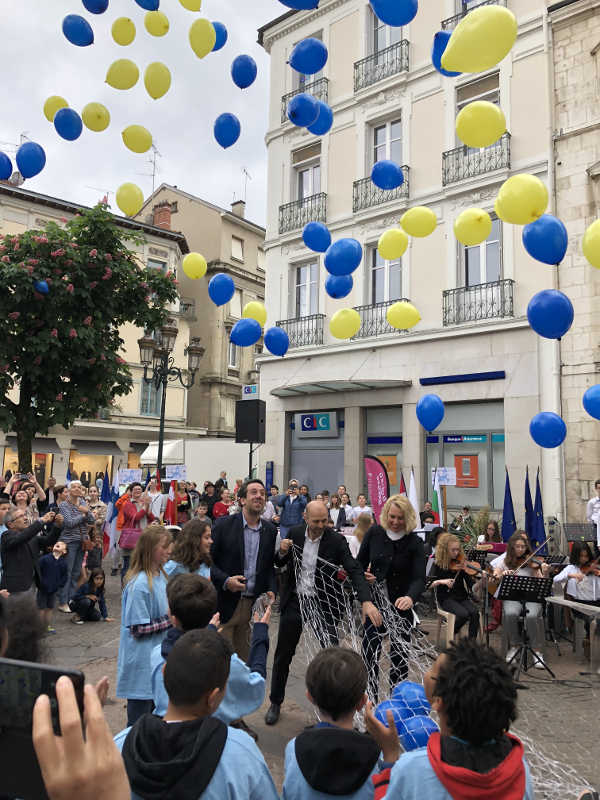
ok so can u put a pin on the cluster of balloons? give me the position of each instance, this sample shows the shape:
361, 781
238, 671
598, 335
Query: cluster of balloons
30, 158
308, 57
410, 711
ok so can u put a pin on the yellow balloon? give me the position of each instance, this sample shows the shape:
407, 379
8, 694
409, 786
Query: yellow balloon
480, 40
137, 138
419, 221
191, 5
392, 244
498, 211
345, 323
157, 79
403, 315
96, 117
122, 74
522, 199
130, 198
156, 23
52, 105
194, 266
591, 244
255, 310
480, 124
123, 31
202, 37
472, 226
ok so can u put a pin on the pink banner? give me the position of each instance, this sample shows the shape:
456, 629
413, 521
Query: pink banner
378, 484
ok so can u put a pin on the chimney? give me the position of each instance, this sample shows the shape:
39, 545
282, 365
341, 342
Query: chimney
162, 215
238, 207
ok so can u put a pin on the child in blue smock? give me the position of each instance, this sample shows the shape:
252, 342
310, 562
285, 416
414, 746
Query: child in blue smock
191, 552
189, 752
144, 619
331, 758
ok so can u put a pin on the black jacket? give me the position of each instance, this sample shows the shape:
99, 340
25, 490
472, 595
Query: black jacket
20, 555
378, 550
227, 553
334, 550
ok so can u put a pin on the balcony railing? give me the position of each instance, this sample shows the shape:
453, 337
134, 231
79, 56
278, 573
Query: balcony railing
365, 194
452, 22
373, 319
186, 308
296, 214
380, 65
318, 89
304, 331
484, 301
466, 162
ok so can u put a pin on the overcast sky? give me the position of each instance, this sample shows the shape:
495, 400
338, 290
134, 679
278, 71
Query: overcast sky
37, 61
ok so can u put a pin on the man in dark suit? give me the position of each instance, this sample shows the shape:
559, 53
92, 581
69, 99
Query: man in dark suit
221, 482
321, 553
21, 546
243, 568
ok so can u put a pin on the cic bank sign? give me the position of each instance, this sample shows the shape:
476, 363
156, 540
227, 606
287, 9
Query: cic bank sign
320, 424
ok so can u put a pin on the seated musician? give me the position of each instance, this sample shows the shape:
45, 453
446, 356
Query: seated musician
453, 584
517, 561
582, 576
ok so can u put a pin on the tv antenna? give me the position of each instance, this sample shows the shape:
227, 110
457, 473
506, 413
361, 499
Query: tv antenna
153, 164
247, 177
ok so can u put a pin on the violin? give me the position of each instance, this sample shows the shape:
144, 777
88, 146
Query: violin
591, 568
461, 564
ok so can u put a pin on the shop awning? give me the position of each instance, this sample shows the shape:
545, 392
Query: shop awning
37, 445
96, 447
173, 452
336, 387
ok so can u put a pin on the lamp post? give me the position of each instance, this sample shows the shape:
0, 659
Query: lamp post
159, 368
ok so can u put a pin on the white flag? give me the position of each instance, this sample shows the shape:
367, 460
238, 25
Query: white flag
412, 496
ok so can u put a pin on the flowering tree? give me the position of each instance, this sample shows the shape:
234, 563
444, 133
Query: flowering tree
65, 294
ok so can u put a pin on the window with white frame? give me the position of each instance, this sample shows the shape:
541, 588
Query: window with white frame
487, 88
306, 289
156, 263
150, 400
232, 356
299, 80
306, 172
237, 248
385, 279
387, 141
235, 304
382, 35
482, 263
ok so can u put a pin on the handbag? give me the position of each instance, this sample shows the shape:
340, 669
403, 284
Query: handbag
129, 537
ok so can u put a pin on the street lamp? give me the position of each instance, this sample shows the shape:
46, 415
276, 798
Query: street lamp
159, 368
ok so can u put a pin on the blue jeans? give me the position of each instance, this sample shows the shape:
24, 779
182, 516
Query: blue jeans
74, 561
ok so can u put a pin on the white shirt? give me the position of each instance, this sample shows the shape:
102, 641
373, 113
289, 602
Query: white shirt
156, 503
587, 589
357, 510
592, 514
306, 584
334, 513
498, 563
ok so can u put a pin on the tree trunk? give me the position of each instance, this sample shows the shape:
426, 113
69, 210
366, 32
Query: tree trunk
24, 428
24, 450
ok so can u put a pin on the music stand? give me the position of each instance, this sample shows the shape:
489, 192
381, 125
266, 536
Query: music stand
478, 555
524, 589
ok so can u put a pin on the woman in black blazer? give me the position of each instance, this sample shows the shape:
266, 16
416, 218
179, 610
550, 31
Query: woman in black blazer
392, 556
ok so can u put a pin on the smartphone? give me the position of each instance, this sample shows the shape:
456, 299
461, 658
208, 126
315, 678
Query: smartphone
21, 683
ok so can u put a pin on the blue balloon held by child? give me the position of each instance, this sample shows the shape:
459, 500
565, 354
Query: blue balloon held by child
417, 731
324, 120
550, 313
277, 341
78, 30
547, 429
316, 236
221, 288
413, 695
303, 110
68, 124
245, 332
430, 411
309, 56
400, 712
440, 43
546, 239
31, 159
343, 256
222, 34
387, 175
6, 169
338, 286
243, 71
227, 129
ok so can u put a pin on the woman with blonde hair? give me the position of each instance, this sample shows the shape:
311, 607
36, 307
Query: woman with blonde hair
144, 619
363, 523
392, 556
453, 586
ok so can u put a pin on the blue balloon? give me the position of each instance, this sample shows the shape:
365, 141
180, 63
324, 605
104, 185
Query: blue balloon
417, 732
300, 4
343, 257
338, 286
277, 341
309, 56
221, 288
149, 5
591, 401
316, 236
430, 411
413, 695
246, 332
6, 169
550, 313
41, 287
68, 124
399, 711
221, 32
395, 12
440, 43
546, 239
31, 159
387, 174
78, 30
243, 71
95, 6
547, 429
227, 129
303, 109
324, 120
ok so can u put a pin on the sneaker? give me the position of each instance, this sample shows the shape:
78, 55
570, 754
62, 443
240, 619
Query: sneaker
50, 629
540, 663
512, 652
77, 620
65, 609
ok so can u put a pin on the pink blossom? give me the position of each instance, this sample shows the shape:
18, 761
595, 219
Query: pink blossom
93, 284
37, 360
84, 399
120, 360
5, 259
33, 261
14, 315
72, 333
108, 274
63, 219
2, 248
144, 285
29, 269
43, 240
69, 262
17, 247
108, 256
87, 321
102, 357
74, 245
93, 253
70, 288
54, 333
59, 396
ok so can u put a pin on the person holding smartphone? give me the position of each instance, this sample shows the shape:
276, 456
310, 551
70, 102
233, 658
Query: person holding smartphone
292, 505
77, 520
21, 545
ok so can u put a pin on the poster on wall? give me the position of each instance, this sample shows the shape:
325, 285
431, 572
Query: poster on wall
378, 484
130, 476
177, 472
391, 467
467, 471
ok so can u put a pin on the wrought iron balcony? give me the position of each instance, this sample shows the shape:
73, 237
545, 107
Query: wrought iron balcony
318, 89
304, 331
186, 308
484, 301
296, 214
365, 194
467, 162
373, 319
452, 22
390, 61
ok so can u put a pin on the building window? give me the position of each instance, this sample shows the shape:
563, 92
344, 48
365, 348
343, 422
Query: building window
487, 88
306, 290
237, 248
306, 171
155, 263
385, 279
483, 262
299, 81
383, 35
260, 259
232, 356
464, 6
387, 142
150, 400
235, 305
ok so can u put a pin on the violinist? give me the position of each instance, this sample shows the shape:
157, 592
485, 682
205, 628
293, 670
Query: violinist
518, 551
452, 583
582, 576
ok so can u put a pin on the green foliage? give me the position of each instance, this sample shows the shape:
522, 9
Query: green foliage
472, 528
61, 349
